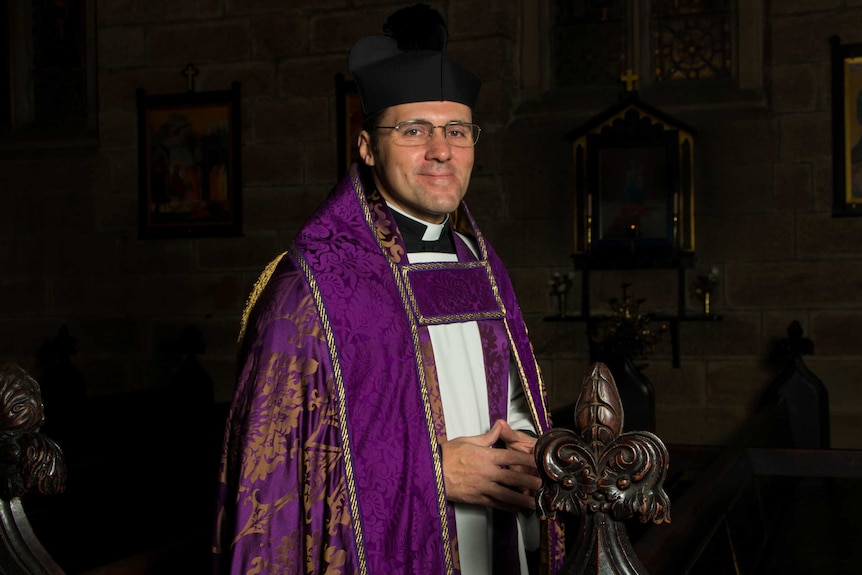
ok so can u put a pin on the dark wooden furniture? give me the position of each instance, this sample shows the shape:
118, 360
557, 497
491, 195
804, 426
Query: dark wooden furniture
775, 499
603, 476
28, 461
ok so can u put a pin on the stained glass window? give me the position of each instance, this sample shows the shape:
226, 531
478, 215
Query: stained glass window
691, 39
688, 40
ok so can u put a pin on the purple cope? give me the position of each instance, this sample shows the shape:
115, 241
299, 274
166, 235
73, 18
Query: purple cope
331, 459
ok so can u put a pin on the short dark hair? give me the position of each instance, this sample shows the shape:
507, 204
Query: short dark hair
369, 123
371, 120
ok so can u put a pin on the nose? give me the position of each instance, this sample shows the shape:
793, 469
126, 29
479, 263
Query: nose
438, 147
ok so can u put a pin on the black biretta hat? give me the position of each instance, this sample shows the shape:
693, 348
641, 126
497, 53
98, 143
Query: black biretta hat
409, 64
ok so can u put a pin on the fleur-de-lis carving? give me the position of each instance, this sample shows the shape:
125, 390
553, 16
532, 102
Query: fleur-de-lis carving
603, 474
28, 459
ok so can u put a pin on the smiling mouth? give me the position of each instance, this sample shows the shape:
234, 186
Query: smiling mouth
439, 180
437, 175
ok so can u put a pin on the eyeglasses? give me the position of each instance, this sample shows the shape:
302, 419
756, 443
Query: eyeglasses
419, 132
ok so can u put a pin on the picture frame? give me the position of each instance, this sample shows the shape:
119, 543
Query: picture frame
189, 167
846, 128
633, 188
349, 117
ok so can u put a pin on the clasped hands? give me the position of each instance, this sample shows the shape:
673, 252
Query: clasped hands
504, 478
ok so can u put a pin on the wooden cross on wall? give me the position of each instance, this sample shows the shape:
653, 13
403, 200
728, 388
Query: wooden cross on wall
630, 78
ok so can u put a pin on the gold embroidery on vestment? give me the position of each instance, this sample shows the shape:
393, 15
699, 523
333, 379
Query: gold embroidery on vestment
498, 313
261, 282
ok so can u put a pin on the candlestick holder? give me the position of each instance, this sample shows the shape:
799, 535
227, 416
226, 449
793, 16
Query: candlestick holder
703, 287
559, 285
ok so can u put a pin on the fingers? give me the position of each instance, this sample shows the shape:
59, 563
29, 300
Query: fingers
476, 474
495, 433
504, 478
526, 470
486, 439
520, 480
501, 496
512, 457
517, 440
510, 500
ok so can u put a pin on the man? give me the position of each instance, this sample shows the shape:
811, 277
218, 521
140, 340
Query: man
377, 376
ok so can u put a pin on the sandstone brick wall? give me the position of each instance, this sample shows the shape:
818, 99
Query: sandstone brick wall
763, 196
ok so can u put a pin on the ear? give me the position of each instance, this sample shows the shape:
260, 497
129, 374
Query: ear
366, 149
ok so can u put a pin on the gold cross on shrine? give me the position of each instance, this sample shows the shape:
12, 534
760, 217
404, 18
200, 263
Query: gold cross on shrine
629, 78
190, 72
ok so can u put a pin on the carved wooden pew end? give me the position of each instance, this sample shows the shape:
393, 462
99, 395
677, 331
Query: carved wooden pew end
604, 476
28, 460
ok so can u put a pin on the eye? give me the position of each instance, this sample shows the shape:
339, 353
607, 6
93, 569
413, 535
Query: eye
414, 129
456, 131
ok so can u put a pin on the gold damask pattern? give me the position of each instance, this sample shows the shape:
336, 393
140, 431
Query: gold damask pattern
436, 400
384, 228
291, 394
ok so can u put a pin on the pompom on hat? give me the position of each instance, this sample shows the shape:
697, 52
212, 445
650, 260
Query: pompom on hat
409, 64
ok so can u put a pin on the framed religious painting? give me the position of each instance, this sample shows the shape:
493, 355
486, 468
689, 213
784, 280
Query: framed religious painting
348, 114
189, 167
846, 128
633, 188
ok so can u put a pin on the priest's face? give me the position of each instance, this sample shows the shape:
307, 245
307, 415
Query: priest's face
425, 181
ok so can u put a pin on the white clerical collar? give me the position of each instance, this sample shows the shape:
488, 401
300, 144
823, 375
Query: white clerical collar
432, 231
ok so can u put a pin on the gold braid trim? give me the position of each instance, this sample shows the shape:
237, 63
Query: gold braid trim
540, 424
436, 453
259, 285
340, 392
